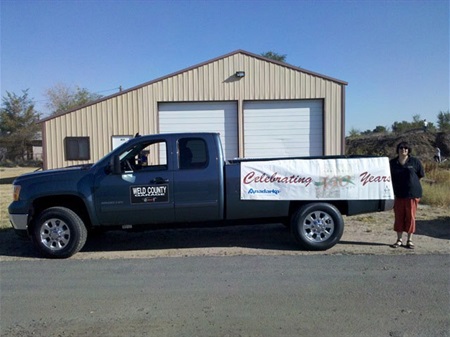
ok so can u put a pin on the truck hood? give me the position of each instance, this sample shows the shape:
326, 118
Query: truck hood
68, 173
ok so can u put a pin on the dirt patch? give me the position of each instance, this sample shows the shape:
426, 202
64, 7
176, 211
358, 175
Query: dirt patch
364, 234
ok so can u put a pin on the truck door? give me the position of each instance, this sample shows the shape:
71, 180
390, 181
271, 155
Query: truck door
198, 187
142, 193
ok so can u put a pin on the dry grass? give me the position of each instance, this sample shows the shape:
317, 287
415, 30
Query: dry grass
436, 186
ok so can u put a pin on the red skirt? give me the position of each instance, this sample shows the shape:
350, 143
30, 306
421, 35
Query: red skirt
405, 214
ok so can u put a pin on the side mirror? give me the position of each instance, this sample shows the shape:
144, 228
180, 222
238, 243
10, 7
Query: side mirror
114, 166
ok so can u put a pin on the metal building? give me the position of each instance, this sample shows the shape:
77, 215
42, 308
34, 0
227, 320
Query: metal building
260, 107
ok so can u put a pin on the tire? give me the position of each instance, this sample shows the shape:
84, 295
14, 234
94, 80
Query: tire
317, 226
58, 232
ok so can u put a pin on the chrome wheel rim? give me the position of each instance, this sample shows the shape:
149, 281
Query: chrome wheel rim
318, 226
55, 234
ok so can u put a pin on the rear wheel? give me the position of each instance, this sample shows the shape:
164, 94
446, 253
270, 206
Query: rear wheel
317, 226
59, 232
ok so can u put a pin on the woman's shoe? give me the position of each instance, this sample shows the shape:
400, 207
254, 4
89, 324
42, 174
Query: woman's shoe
397, 244
410, 245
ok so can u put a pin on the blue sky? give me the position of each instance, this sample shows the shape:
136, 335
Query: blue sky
393, 54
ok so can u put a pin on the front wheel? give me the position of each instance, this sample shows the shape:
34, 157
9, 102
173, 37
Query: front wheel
317, 226
59, 232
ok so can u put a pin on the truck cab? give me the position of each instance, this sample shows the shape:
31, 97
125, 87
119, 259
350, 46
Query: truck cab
157, 180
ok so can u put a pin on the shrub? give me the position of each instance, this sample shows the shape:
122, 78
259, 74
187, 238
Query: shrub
21, 163
7, 163
436, 186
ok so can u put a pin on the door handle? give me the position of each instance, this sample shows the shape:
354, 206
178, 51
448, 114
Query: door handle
159, 180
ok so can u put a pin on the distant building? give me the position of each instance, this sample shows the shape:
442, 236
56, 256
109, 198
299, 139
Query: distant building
260, 107
36, 146
32, 151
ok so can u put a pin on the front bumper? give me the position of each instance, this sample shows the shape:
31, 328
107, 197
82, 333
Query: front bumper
19, 221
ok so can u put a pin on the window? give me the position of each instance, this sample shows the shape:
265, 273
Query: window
77, 148
119, 140
192, 153
145, 156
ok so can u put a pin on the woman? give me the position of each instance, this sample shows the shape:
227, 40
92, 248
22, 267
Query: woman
406, 172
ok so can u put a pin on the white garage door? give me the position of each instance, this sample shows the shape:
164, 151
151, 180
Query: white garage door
283, 128
218, 117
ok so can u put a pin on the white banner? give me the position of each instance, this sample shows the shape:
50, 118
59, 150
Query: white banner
315, 179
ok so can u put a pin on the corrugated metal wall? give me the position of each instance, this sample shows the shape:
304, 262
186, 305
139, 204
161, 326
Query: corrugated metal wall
136, 110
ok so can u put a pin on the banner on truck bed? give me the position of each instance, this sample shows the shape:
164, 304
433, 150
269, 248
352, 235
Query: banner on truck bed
315, 179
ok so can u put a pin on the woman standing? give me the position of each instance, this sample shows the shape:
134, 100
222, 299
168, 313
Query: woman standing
406, 172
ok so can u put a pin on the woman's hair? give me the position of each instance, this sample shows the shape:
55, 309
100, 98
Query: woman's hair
405, 145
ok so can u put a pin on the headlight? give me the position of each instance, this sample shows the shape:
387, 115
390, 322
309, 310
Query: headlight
16, 192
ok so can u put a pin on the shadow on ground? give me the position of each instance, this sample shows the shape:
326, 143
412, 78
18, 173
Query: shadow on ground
273, 236
269, 237
437, 228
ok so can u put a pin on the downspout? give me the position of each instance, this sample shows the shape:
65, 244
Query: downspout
44, 147
343, 120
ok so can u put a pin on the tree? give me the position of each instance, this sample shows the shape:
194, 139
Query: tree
380, 129
17, 125
401, 127
444, 121
63, 98
274, 56
353, 133
417, 124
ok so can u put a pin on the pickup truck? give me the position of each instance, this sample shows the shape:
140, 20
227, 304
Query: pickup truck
183, 179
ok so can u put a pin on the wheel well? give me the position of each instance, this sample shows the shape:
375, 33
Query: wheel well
341, 205
74, 203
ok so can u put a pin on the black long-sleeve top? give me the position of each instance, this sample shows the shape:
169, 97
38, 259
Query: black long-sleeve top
406, 178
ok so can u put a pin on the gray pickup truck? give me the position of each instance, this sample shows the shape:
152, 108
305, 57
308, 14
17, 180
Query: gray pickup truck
183, 179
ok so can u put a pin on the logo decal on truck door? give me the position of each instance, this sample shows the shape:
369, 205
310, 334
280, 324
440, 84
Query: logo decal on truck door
149, 193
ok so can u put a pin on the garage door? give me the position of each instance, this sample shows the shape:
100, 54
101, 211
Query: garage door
218, 117
283, 128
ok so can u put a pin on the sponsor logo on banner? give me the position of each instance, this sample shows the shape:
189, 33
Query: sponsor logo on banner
149, 193
315, 179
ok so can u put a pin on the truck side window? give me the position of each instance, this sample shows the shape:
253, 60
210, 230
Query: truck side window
145, 156
192, 153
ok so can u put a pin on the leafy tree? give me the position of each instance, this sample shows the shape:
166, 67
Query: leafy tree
63, 98
417, 124
417, 120
444, 121
274, 56
400, 127
17, 125
353, 133
380, 129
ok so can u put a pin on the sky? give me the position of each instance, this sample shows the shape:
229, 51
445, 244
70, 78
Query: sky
393, 54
